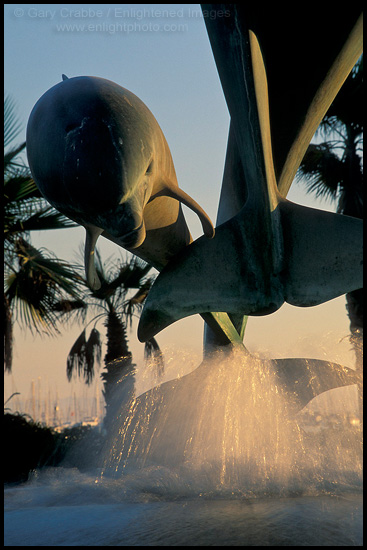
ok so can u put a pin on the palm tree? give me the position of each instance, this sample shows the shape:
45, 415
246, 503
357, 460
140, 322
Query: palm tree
117, 307
35, 280
334, 169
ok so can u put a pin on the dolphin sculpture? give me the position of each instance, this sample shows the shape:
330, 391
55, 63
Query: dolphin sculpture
278, 83
139, 208
99, 156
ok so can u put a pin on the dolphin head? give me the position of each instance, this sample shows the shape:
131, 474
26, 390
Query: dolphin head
90, 146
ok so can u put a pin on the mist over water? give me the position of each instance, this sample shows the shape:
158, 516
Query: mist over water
213, 456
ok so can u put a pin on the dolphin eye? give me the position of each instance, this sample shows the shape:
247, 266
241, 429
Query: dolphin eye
149, 169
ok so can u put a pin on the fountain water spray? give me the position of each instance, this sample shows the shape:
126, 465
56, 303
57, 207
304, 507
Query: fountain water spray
227, 429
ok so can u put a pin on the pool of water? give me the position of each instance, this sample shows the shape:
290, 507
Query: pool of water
62, 507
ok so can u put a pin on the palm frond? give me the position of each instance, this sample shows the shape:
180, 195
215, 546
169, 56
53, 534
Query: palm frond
36, 285
12, 125
333, 169
43, 220
67, 306
118, 278
55, 270
20, 187
34, 317
71, 310
130, 273
76, 359
35, 281
138, 271
321, 169
135, 303
24, 207
93, 350
348, 106
10, 155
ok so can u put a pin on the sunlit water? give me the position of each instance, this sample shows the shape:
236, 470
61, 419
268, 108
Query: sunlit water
213, 458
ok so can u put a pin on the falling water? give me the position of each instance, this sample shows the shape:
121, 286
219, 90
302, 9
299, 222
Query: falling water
227, 429
215, 457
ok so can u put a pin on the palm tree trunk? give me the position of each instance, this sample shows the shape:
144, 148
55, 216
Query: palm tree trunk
355, 313
351, 204
8, 335
118, 376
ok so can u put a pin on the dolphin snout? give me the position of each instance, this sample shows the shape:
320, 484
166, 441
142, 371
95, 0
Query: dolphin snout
134, 238
123, 224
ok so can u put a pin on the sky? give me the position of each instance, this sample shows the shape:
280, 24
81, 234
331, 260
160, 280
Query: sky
161, 53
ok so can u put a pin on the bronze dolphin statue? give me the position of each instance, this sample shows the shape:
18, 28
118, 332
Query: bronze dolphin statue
267, 250
99, 156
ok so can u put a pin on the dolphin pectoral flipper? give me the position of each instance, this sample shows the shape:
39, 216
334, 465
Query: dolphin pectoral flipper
184, 198
93, 233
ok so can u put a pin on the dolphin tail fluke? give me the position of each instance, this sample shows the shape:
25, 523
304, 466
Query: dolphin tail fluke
323, 254
303, 379
89, 262
319, 258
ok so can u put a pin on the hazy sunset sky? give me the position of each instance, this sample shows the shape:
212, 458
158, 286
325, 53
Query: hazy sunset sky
166, 60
